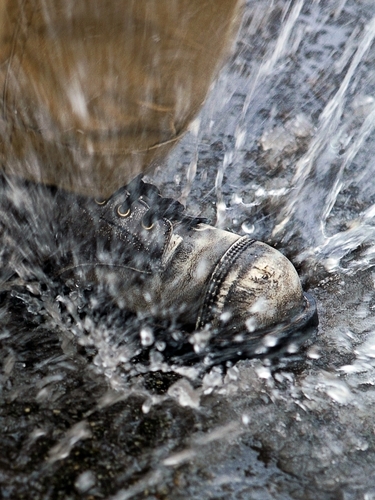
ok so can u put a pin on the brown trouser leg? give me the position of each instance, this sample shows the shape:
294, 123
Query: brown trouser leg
96, 91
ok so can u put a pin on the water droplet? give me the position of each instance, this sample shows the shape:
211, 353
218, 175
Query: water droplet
147, 336
248, 228
85, 481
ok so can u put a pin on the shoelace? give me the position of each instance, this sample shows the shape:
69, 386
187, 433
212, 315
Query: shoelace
159, 206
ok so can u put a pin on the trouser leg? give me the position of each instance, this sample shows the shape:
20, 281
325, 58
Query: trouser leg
95, 92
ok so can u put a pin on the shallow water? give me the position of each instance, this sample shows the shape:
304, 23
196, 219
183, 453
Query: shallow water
283, 150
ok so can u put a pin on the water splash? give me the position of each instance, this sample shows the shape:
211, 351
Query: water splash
280, 170
318, 177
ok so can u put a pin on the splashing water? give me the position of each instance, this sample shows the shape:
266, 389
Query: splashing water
319, 183
283, 150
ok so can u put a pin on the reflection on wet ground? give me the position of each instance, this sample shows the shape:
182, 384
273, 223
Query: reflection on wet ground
283, 151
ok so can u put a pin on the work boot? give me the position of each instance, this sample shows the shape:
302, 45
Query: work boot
156, 261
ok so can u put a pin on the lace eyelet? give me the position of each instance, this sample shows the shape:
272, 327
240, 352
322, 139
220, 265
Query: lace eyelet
123, 214
100, 202
148, 228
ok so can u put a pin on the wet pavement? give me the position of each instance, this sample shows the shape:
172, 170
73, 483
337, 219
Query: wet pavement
283, 151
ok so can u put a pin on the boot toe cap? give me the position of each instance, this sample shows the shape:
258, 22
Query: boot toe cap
260, 288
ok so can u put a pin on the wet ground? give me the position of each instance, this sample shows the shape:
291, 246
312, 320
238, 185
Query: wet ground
283, 151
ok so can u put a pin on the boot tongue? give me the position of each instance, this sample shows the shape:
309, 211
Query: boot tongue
144, 246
